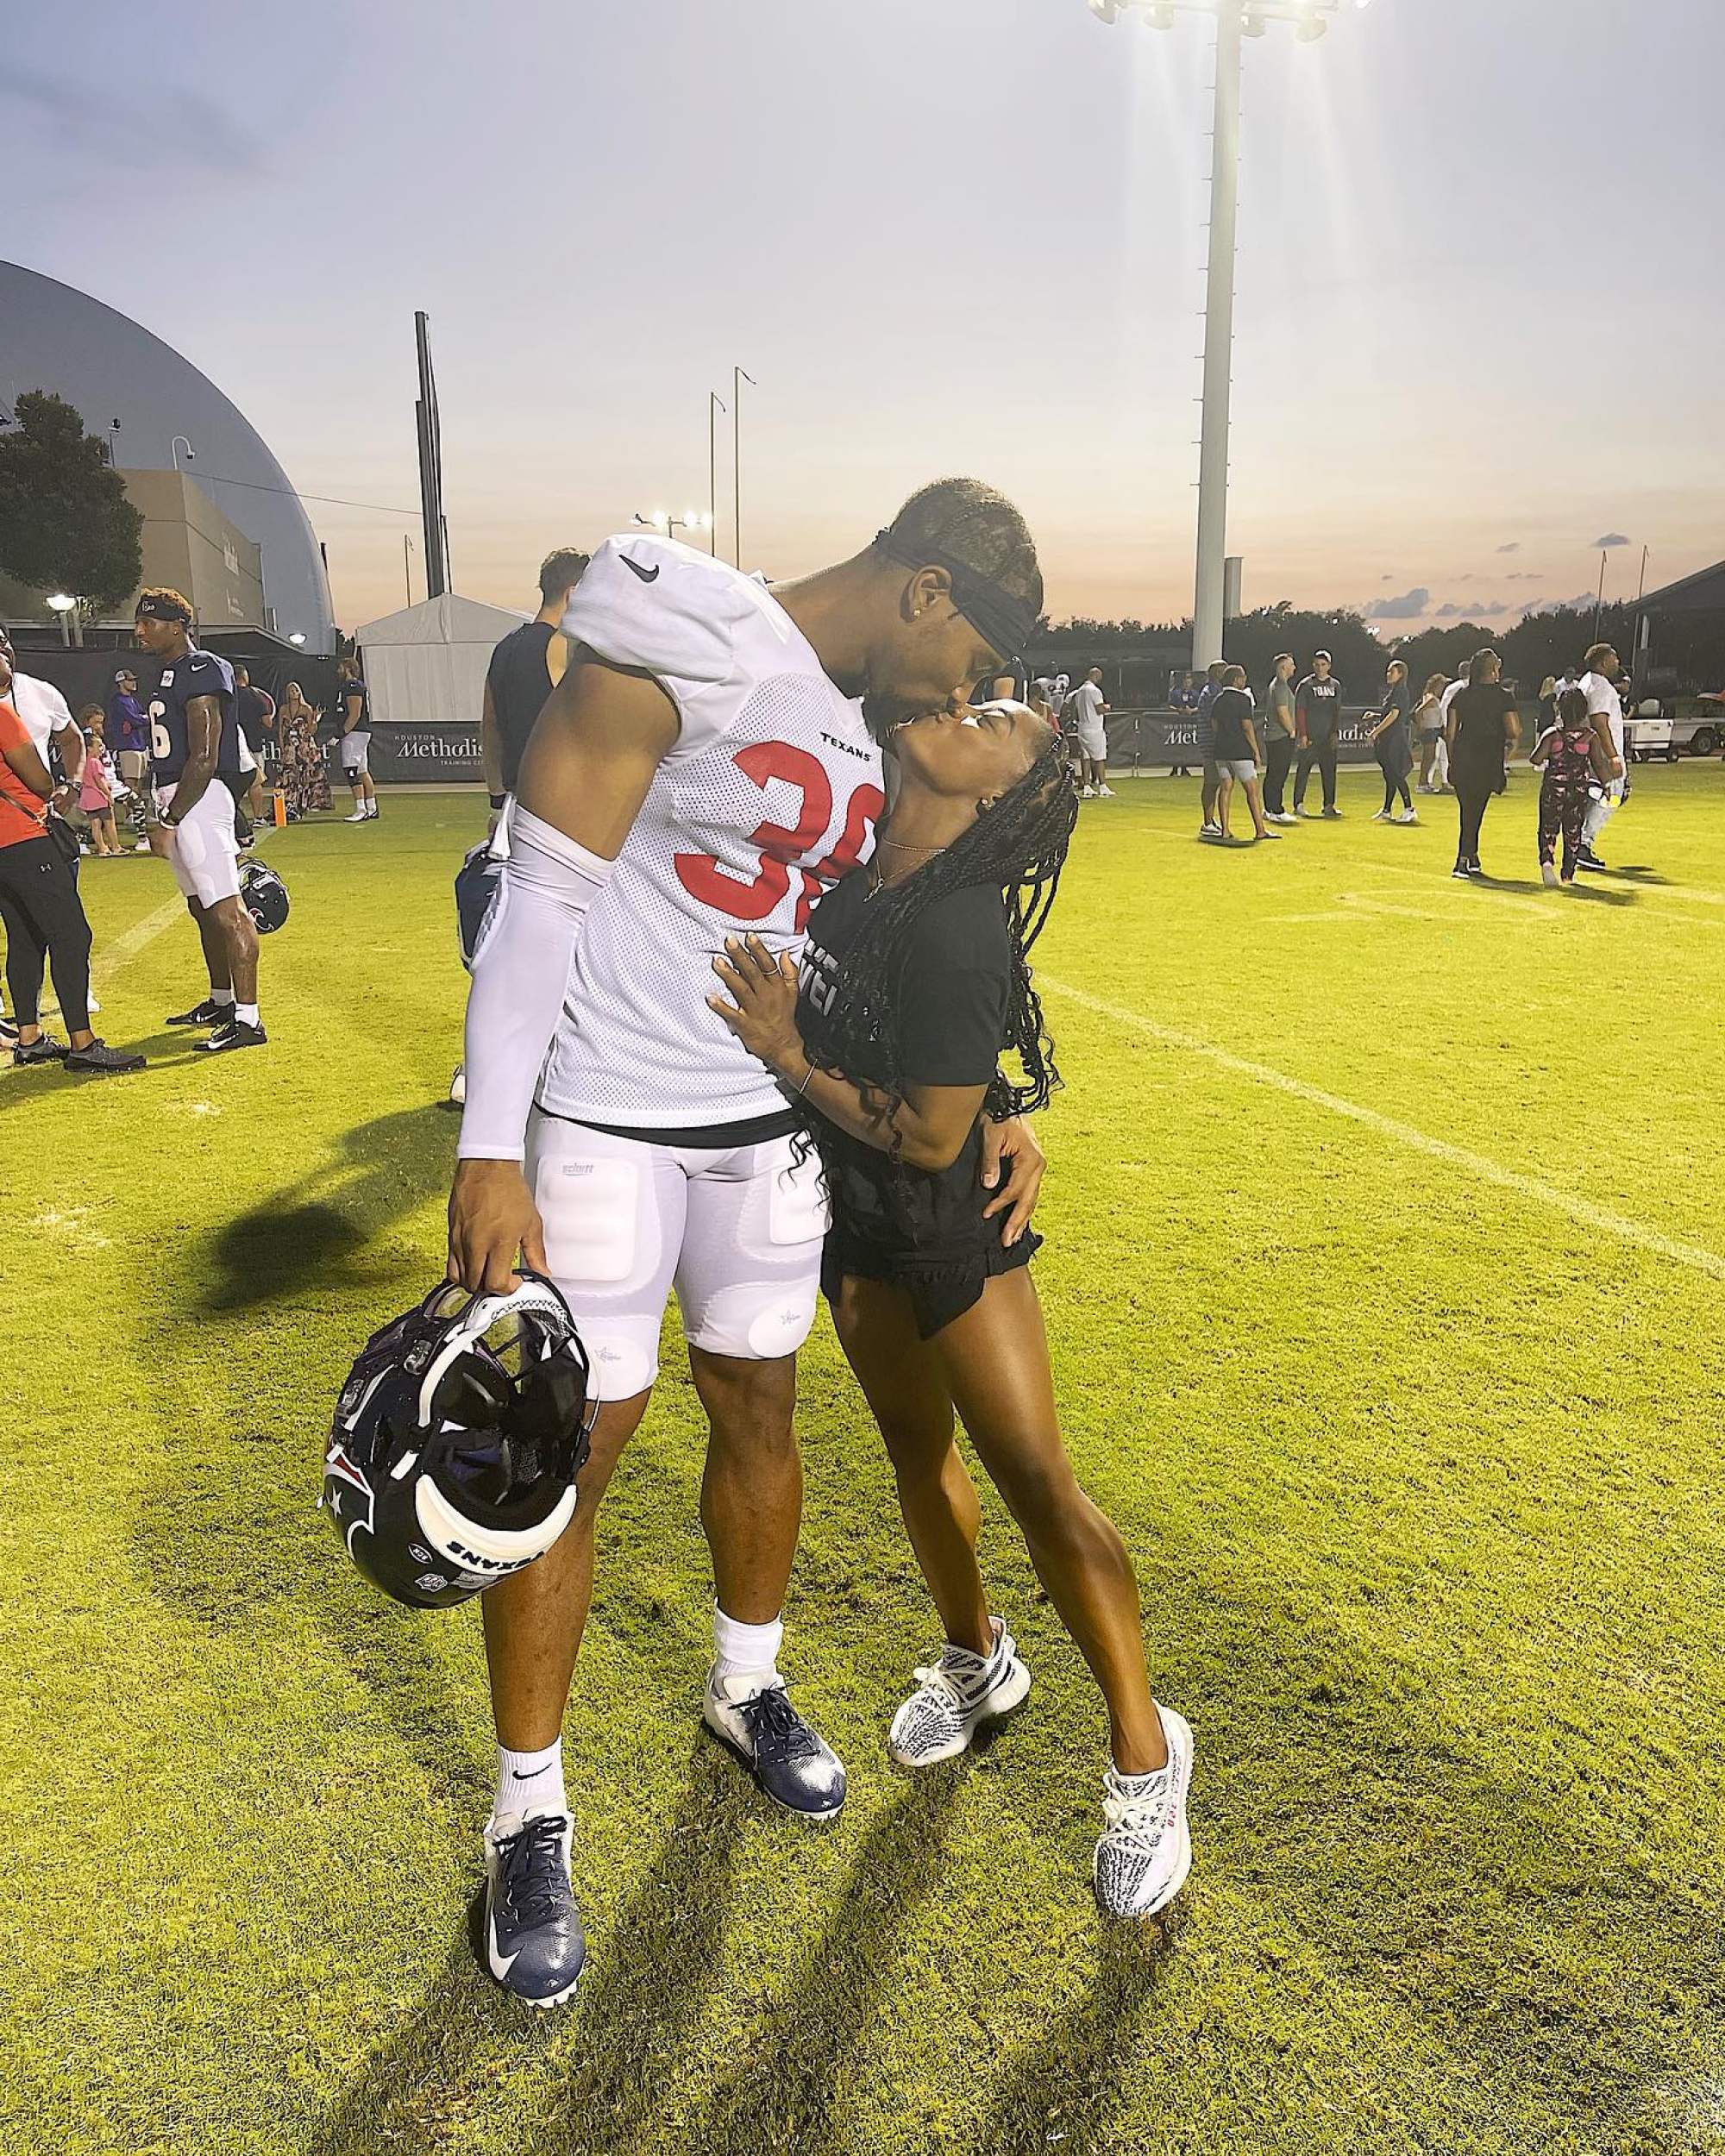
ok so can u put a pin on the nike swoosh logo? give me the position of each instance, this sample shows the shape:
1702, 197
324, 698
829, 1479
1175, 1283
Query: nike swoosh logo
646, 576
515, 1775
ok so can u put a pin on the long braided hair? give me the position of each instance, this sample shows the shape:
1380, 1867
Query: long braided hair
1017, 848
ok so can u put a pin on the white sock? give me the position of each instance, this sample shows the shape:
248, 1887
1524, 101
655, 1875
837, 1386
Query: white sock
246, 1013
530, 1782
746, 1649
221, 995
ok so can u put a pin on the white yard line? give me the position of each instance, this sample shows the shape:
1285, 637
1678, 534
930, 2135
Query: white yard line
109, 959
1548, 1196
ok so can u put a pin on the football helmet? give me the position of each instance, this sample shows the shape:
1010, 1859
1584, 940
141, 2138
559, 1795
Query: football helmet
263, 895
456, 1442
478, 882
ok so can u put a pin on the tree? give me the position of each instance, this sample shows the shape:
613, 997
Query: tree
65, 524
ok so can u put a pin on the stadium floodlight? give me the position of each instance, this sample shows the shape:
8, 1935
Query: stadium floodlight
662, 520
61, 602
1235, 21
297, 637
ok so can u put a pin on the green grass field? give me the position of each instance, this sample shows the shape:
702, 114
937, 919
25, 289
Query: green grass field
1385, 1270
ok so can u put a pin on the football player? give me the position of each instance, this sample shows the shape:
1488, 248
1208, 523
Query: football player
708, 764
195, 766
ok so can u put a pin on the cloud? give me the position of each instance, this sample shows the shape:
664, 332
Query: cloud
1612, 539
1522, 576
1411, 606
1472, 609
1514, 547
82, 117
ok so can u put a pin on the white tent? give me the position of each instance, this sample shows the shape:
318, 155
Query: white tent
427, 663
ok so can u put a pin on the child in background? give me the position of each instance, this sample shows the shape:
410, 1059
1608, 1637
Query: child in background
96, 789
1577, 765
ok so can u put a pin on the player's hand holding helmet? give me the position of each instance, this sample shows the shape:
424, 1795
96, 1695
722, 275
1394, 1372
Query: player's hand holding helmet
456, 1443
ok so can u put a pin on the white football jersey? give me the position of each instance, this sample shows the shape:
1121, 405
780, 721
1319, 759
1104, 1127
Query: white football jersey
771, 794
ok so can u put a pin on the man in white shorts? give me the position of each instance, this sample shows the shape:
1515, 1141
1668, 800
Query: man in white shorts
1605, 708
354, 709
195, 766
709, 764
1086, 715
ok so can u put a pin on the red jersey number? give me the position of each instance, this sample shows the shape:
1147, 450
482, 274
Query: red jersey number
722, 888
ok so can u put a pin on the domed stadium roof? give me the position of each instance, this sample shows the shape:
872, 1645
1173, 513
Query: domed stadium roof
54, 338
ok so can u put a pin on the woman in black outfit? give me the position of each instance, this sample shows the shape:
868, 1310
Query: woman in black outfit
40, 906
1483, 729
1394, 747
914, 981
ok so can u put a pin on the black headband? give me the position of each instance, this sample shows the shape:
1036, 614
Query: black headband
1005, 622
162, 610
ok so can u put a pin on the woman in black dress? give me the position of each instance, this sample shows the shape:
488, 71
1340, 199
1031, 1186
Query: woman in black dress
914, 981
1392, 745
1483, 729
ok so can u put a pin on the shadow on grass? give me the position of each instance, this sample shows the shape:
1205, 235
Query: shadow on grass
1058, 2090
638, 2009
317, 1230
779, 2094
640, 1996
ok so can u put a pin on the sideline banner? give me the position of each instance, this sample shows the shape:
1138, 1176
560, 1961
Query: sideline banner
1169, 738
409, 753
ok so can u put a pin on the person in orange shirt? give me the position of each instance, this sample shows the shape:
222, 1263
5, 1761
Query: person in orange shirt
43, 915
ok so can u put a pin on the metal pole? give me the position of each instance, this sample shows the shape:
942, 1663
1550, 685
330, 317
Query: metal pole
407, 565
715, 404
738, 377
1207, 605
1599, 609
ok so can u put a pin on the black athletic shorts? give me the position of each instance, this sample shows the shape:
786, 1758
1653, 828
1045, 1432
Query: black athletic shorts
940, 1289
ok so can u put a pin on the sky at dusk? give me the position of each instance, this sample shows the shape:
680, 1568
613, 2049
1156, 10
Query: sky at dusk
1481, 324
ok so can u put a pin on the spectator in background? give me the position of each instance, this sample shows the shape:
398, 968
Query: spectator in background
1210, 824
47, 719
1089, 717
1428, 723
1599, 685
354, 720
1184, 703
255, 712
526, 666
1482, 727
1234, 748
304, 781
43, 915
1577, 763
96, 783
1317, 726
128, 735
1280, 739
1389, 739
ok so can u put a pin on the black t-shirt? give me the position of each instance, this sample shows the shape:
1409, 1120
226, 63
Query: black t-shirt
1480, 743
949, 1018
344, 690
251, 707
199, 673
520, 680
1320, 705
1228, 718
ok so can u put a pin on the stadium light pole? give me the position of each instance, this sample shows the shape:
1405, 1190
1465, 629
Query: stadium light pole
1235, 21
174, 448
715, 404
739, 375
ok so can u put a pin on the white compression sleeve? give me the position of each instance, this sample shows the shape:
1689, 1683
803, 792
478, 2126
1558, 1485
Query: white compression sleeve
521, 971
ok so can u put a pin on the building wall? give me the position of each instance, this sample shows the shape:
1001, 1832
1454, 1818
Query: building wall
187, 542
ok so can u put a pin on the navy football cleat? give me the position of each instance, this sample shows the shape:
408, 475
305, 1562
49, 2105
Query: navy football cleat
534, 1943
790, 1762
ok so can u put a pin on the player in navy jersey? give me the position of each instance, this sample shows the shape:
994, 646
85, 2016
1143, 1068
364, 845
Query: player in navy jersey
195, 768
